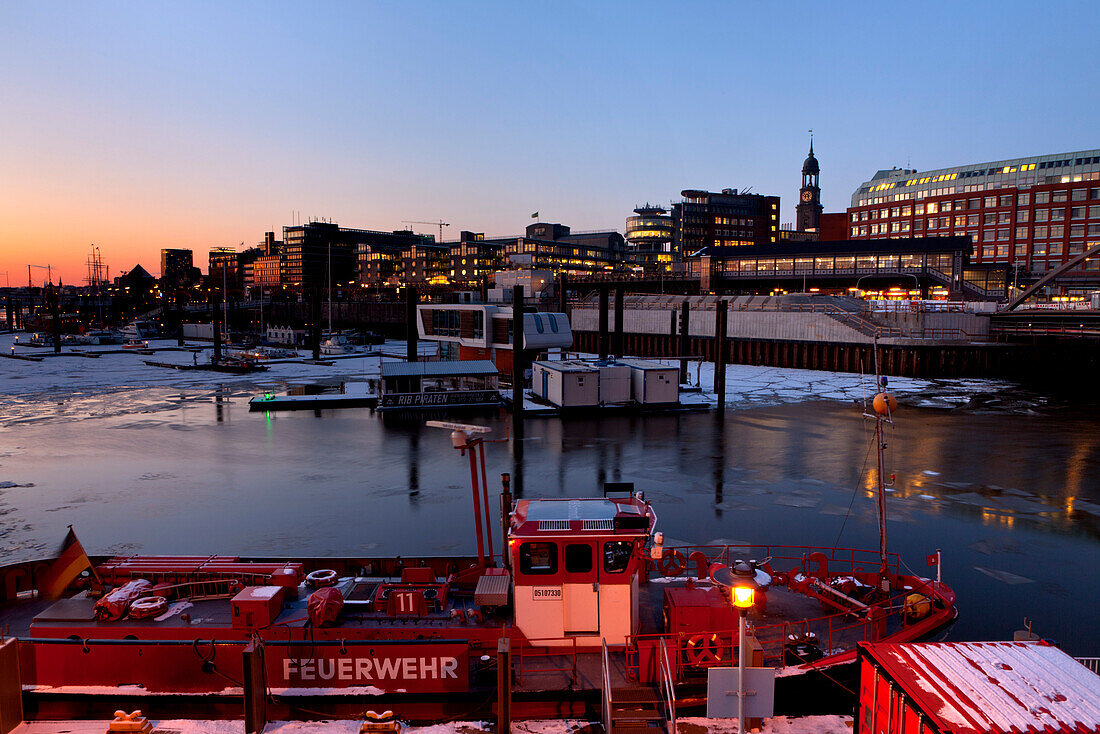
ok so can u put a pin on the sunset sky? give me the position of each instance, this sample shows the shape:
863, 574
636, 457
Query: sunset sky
137, 126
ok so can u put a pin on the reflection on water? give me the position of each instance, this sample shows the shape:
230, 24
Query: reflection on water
1012, 500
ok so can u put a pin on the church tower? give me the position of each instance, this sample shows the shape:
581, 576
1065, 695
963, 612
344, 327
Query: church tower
808, 211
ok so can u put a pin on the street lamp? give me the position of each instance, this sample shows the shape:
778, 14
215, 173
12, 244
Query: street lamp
743, 598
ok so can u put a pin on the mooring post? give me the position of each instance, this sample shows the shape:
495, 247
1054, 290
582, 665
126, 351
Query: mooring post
505, 517
411, 332
255, 688
215, 322
618, 351
720, 315
504, 685
685, 318
517, 351
603, 323
315, 322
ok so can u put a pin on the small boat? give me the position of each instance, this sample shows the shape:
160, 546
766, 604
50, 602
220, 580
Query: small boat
140, 330
338, 344
100, 337
236, 365
134, 342
263, 353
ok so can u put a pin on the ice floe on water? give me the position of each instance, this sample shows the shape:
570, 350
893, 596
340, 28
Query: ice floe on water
119, 382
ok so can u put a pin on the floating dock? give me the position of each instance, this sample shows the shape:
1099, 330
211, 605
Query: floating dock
354, 395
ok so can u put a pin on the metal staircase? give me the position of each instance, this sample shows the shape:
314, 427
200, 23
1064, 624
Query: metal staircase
639, 708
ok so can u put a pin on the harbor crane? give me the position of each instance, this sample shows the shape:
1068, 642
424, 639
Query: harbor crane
441, 224
47, 268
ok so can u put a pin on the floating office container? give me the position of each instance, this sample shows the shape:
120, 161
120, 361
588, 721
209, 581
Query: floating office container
566, 384
615, 387
653, 383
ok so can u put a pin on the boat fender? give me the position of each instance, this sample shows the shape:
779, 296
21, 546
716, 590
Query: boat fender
917, 606
149, 606
704, 650
113, 605
321, 578
672, 563
324, 606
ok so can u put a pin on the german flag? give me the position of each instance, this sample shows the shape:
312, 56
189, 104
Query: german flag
70, 562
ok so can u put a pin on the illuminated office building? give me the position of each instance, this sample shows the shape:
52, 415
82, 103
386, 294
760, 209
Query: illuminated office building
649, 236
1032, 214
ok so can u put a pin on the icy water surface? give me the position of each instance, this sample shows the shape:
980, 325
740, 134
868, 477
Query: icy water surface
1008, 488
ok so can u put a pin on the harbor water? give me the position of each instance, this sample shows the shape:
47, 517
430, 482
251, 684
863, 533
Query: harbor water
1008, 489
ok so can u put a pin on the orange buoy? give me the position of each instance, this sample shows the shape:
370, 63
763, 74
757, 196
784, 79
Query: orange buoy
885, 403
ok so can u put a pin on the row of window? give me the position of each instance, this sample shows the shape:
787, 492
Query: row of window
1021, 200
1041, 231
939, 261
541, 558
1001, 182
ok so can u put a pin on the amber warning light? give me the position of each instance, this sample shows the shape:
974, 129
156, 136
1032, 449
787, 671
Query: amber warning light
742, 597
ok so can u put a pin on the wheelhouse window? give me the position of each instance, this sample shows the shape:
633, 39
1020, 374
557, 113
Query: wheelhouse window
616, 555
578, 558
538, 558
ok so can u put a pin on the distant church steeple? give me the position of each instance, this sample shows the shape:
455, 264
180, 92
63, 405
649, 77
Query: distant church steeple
808, 211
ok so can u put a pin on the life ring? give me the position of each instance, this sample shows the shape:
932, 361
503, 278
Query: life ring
322, 577
672, 563
149, 606
704, 650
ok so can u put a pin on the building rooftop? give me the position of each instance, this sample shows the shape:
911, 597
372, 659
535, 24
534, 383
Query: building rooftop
901, 183
994, 687
439, 369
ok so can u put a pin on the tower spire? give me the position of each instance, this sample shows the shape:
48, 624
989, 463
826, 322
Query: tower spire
811, 141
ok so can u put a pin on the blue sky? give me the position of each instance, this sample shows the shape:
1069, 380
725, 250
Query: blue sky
144, 125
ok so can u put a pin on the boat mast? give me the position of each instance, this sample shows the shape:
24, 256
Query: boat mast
882, 412
330, 290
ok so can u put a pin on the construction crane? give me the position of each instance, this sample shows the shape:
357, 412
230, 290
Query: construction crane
441, 224
47, 268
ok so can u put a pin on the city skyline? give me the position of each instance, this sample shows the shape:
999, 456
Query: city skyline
136, 129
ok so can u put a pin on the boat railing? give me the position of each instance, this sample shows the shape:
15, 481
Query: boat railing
546, 649
605, 710
667, 687
699, 649
809, 558
1092, 664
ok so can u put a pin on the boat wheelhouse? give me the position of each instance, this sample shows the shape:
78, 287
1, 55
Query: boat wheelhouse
438, 384
577, 566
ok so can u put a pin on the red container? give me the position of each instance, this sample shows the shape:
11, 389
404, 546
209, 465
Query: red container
257, 606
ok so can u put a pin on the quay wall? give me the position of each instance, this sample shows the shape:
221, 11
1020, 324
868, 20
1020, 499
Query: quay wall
786, 325
902, 360
807, 325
